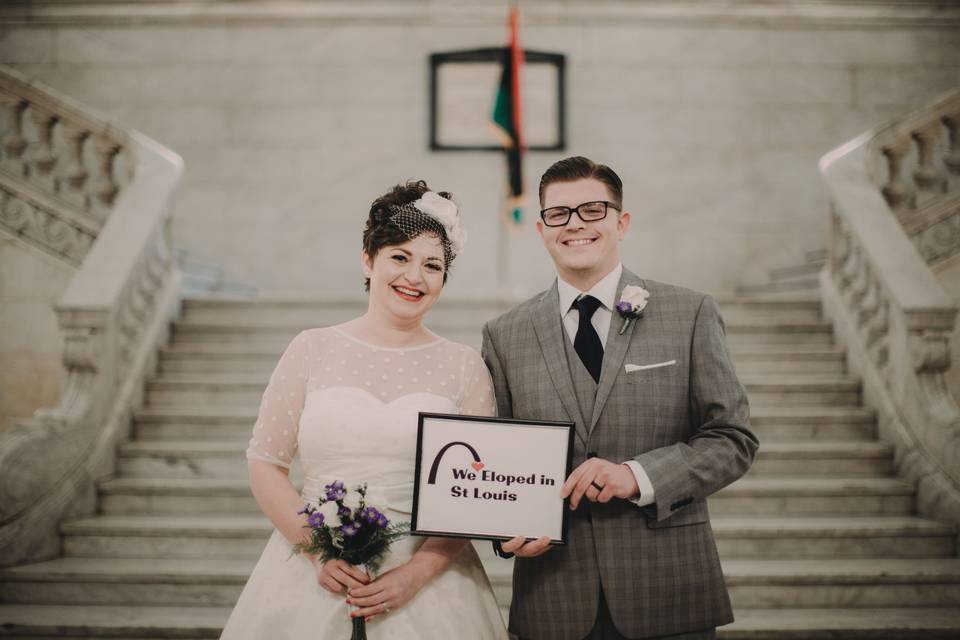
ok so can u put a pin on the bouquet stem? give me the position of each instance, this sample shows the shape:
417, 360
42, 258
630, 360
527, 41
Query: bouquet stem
359, 629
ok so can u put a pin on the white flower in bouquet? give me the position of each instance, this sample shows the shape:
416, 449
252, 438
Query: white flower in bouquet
353, 500
329, 511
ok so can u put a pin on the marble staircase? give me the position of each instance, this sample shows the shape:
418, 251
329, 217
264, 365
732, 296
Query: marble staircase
819, 540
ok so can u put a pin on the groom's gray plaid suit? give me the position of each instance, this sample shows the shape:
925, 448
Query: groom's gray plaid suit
686, 424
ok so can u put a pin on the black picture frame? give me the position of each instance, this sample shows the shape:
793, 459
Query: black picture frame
493, 55
419, 469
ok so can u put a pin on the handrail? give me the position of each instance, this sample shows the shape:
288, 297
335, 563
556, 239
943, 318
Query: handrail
114, 313
887, 307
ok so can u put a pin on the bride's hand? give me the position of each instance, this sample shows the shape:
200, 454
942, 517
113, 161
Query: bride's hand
337, 575
388, 592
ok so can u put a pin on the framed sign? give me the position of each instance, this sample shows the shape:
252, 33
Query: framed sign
491, 478
463, 85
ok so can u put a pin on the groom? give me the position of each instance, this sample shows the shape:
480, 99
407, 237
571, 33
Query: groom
661, 423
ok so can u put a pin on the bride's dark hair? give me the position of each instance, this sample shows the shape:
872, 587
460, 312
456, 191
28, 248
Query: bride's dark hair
379, 232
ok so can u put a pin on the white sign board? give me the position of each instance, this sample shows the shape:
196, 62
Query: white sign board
491, 478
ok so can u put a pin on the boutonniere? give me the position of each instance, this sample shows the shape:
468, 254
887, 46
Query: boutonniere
633, 300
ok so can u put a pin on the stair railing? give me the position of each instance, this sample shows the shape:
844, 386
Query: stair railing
887, 188
98, 196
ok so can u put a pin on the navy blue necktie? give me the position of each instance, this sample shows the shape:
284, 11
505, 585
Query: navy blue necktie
587, 343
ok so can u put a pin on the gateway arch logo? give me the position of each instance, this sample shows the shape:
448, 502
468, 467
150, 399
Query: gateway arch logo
476, 464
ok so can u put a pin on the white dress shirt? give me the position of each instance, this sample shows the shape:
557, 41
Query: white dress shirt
606, 292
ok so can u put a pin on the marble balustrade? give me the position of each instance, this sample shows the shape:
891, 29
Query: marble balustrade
888, 188
100, 197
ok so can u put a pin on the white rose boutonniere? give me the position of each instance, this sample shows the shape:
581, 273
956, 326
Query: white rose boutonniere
633, 300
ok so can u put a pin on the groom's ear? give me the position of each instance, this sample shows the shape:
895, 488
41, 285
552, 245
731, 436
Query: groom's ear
623, 223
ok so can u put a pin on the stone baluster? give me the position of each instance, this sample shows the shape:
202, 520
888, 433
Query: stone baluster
75, 174
43, 158
898, 193
106, 186
927, 175
952, 157
14, 142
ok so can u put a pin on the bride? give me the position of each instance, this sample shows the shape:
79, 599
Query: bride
345, 400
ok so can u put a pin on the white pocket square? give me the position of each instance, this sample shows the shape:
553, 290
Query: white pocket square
641, 367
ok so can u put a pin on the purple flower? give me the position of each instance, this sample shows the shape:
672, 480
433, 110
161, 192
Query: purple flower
335, 490
370, 515
315, 519
349, 529
382, 521
624, 307
344, 512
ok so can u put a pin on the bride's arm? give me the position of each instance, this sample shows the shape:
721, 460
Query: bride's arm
278, 499
272, 449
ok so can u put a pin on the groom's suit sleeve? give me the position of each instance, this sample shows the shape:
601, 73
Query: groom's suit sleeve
500, 388
721, 447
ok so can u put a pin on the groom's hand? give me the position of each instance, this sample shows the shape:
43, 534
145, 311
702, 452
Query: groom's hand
599, 480
518, 547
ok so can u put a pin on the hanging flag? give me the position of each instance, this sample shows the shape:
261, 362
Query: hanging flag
506, 117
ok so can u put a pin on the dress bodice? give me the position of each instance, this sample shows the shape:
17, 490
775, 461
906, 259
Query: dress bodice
349, 408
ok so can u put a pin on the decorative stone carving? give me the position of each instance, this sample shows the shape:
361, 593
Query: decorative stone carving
930, 351
45, 228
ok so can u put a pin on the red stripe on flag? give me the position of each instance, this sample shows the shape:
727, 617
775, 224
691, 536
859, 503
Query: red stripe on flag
516, 62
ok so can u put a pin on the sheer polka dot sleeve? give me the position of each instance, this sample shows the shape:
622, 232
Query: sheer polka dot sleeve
275, 433
477, 397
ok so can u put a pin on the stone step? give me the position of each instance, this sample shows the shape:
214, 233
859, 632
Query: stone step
753, 584
184, 360
275, 336
843, 624
42, 622
246, 390
305, 310
814, 496
305, 313
802, 271
843, 583
194, 423
226, 459
771, 424
762, 496
777, 424
190, 582
792, 287
243, 536
822, 458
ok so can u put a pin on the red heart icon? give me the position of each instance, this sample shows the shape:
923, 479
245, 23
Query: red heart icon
477, 465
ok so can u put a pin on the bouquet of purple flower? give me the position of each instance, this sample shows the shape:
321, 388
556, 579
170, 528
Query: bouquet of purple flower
343, 526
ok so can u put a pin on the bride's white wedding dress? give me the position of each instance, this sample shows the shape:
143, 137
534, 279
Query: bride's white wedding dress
349, 410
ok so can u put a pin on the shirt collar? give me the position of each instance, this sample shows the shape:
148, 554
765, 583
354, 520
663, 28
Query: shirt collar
605, 290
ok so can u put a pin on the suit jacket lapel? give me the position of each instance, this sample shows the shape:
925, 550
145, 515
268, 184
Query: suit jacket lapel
549, 329
615, 351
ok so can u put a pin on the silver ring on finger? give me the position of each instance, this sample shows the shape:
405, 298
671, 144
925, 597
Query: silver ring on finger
385, 606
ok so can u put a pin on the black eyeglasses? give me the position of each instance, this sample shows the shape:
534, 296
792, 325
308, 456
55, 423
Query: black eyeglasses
588, 212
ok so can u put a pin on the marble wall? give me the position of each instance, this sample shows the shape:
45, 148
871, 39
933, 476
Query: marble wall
31, 344
291, 125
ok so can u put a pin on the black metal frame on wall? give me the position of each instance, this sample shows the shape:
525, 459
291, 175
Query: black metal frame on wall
495, 55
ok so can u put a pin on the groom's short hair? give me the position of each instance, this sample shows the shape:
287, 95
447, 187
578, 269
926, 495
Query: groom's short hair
580, 168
